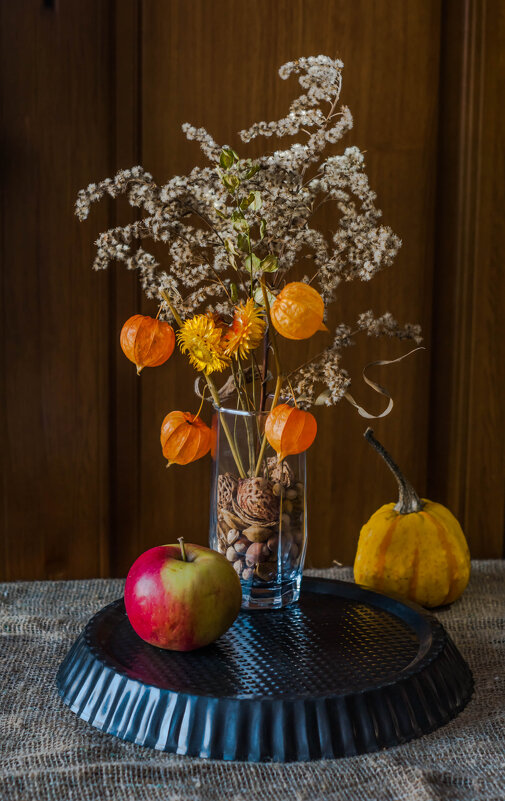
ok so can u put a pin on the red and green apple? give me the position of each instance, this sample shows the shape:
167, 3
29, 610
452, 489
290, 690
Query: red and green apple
182, 597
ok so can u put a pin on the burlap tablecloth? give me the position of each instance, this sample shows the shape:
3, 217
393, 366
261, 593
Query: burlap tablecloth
48, 753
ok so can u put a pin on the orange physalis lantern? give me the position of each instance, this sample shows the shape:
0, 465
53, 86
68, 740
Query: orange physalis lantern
147, 342
184, 438
290, 430
297, 311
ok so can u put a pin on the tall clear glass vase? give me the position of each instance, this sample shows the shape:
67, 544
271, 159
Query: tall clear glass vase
258, 510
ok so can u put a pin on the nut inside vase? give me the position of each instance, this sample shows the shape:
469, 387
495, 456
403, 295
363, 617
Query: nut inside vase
258, 510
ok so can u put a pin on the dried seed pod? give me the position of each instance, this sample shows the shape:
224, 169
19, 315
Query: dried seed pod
231, 554
256, 499
290, 430
184, 438
280, 472
146, 341
226, 488
256, 533
298, 310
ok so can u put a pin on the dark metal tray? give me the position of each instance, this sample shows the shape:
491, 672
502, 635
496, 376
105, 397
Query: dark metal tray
346, 671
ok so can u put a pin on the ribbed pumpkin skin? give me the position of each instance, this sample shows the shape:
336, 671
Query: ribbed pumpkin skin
422, 556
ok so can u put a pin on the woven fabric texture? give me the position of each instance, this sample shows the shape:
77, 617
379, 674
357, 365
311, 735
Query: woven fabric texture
48, 754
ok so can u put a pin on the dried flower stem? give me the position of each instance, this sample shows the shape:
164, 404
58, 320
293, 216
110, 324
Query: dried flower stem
278, 384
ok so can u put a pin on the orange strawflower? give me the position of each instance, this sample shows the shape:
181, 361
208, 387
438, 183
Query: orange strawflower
246, 331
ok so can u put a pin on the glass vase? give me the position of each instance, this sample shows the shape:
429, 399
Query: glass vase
258, 510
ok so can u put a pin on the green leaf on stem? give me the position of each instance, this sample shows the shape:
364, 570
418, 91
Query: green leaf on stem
227, 158
270, 264
233, 292
252, 263
263, 228
231, 182
258, 295
252, 201
230, 246
252, 171
243, 243
240, 222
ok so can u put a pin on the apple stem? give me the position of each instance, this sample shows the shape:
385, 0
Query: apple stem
180, 540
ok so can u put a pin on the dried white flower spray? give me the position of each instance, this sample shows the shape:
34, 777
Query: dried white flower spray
237, 224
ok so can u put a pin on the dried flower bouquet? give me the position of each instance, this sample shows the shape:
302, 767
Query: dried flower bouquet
234, 230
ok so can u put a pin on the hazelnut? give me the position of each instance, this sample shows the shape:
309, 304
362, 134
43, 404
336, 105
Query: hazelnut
298, 536
257, 552
231, 554
232, 536
265, 572
291, 494
241, 545
288, 507
272, 542
286, 539
286, 521
247, 573
238, 567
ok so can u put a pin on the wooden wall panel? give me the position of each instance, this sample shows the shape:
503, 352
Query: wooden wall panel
88, 88
57, 88
467, 449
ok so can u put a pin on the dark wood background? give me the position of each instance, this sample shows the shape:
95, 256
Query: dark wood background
90, 87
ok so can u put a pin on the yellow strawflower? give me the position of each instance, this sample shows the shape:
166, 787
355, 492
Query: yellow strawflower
246, 330
202, 339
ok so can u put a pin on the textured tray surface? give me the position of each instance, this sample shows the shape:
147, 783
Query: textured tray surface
344, 671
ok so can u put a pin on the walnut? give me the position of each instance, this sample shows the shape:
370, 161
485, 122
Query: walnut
226, 488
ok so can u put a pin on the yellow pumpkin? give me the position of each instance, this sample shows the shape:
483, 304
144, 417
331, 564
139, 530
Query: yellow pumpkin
415, 548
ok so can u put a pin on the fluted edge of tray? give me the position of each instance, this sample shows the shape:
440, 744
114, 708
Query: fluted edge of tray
255, 730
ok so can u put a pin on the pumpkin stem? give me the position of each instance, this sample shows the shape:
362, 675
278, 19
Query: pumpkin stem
408, 499
180, 540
